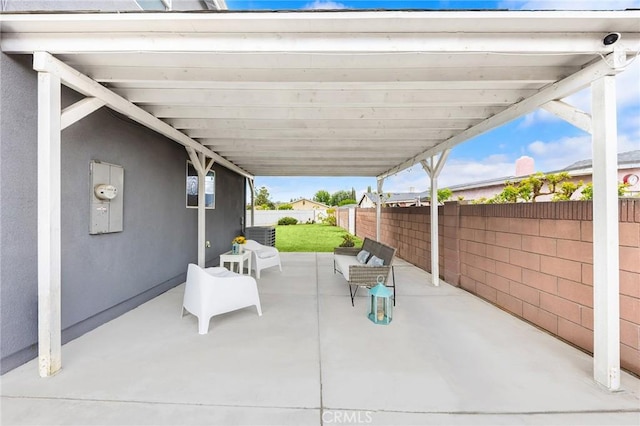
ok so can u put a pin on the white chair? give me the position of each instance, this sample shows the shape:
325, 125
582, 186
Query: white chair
214, 291
262, 256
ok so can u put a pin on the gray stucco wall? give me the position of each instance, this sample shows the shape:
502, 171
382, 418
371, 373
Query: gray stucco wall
106, 275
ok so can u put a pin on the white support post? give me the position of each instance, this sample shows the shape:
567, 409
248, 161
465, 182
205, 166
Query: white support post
199, 160
49, 245
435, 252
433, 167
202, 173
379, 210
253, 201
606, 303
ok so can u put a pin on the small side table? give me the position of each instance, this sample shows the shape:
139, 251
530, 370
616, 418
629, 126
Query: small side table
237, 259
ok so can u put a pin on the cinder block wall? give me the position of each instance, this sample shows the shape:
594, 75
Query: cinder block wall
408, 229
533, 260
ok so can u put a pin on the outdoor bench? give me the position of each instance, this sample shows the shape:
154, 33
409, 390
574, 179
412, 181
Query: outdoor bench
359, 273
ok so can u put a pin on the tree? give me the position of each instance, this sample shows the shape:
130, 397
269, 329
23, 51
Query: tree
322, 196
444, 194
338, 196
558, 185
262, 198
587, 191
567, 189
531, 187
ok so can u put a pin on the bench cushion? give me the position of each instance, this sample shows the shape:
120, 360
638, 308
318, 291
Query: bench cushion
343, 262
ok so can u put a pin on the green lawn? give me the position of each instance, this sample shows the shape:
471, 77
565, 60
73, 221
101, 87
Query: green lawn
310, 238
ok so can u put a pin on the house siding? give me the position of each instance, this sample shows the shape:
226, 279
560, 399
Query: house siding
103, 276
305, 204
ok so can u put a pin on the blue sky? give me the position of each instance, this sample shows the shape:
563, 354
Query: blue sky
552, 143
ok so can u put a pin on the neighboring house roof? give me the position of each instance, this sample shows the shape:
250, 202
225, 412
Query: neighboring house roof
626, 160
393, 197
310, 201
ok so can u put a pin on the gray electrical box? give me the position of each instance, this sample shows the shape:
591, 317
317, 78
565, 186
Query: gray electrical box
106, 184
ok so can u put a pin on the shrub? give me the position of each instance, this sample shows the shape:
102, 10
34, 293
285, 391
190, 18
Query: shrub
287, 220
347, 202
329, 220
347, 241
285, 207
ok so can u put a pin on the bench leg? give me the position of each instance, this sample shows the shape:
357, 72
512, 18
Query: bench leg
353, 294
393, 278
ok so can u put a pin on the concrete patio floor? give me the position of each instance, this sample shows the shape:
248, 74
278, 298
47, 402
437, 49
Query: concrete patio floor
312, 359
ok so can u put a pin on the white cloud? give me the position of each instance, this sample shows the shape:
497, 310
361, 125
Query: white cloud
327, 5
538, 116
569, 4
455, 171
557, 154
628, 85
560, 153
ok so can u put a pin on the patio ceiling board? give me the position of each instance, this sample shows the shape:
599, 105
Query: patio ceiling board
350, 157
321, 134
534, 65
275, 112
326, 98
353, 93
329, 148
311, 150
428, 76
230, 123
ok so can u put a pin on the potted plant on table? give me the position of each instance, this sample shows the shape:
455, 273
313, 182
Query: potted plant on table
237, 245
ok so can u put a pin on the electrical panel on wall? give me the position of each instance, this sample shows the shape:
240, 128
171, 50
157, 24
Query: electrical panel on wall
106, 187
